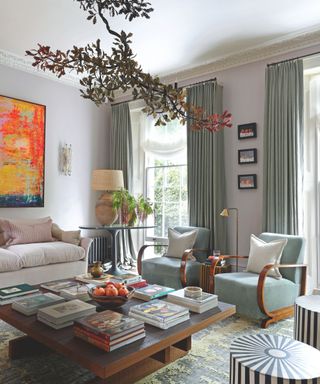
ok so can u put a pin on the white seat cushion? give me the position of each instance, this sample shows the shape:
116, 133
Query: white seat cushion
9, 261
35, 254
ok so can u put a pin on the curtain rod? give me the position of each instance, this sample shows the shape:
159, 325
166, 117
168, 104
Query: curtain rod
175, 84
294, 58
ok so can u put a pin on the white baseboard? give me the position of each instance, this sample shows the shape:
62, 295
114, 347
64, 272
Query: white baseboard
316, 291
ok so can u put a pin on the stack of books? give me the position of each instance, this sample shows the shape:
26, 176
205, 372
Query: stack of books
199, 305
8, 293
87, 278
63, 314
152, 291
109, 330
159, 313
29, 305
58, 285
126, 278
79, 292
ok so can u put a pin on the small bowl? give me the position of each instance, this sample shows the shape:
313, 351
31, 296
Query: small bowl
110, 301
193, 292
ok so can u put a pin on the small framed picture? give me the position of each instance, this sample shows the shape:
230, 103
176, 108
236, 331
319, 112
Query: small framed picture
247, 131
247, 181
247, 156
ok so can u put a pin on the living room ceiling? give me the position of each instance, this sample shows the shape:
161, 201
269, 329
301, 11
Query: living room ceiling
180, 33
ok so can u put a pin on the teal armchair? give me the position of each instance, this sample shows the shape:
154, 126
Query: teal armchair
261, 297
173, 272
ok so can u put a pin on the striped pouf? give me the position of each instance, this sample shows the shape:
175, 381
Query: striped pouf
307, 320
271, 359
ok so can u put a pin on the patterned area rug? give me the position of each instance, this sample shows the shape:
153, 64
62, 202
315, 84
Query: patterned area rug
207, 362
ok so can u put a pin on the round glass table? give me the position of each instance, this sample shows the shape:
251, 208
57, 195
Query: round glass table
114, 230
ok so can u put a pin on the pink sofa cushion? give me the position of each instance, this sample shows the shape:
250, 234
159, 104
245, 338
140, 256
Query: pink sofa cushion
25, 233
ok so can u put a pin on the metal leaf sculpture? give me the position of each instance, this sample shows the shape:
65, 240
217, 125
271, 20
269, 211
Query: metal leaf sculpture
102, 74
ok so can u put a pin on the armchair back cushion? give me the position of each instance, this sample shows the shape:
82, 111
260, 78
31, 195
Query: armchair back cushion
179, 242
202, 241
293, 253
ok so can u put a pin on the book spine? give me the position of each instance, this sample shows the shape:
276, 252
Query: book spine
93, 341
96, 335
139, 284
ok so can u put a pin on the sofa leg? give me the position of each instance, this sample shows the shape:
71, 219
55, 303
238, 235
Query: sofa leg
277, 315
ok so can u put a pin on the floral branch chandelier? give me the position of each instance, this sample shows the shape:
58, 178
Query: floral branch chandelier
102, 74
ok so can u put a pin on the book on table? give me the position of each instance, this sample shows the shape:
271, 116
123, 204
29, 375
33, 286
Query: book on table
109, 330
160, 313
64, 313
106, 345
152, 291
127, 278
109, 324
58, 285
76, 292
89, 279
199, 305
29, 305
16, 290
139, 284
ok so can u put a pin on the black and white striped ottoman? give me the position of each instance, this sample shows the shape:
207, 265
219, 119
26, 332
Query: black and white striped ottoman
307, 320
271, 359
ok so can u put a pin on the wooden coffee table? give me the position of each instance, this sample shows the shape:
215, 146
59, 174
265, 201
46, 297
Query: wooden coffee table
125, 365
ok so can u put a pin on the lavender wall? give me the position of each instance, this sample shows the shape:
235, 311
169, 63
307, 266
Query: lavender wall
70, 119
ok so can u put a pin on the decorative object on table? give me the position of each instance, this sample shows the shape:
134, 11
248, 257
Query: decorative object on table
247, 156
108, 181
16, 290
160, 313
199, 304
307, 320
96, 270
247, 131
65, 159
125, 205
22, 132
57, 285
63, 314
226, 213
109, 330
247, 181
151, 292
111, 298
193, 292
265, 358
30, 305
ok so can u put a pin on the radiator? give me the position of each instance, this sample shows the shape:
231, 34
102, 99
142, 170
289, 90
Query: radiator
100, 250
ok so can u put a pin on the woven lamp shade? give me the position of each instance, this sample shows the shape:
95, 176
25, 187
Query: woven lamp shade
106, 180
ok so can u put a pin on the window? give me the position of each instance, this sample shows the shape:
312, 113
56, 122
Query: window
165, 149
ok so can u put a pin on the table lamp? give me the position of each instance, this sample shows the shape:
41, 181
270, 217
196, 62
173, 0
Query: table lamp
225, 213
106, 180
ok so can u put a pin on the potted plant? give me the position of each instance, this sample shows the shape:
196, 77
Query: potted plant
144, 208
125, 204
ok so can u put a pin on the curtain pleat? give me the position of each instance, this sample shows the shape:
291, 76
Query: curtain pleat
206, 171
121, 158
283, 146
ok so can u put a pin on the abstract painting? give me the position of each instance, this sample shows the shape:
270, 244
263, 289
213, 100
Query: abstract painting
22, 147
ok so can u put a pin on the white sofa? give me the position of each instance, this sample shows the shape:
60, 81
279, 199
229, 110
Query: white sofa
38, 261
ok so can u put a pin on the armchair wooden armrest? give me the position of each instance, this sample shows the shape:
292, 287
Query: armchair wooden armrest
141, 253
214, 264
281, 312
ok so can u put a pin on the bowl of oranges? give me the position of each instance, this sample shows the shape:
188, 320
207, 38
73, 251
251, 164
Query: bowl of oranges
111, 295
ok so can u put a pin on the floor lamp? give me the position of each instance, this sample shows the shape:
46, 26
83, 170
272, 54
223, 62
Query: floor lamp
226, 213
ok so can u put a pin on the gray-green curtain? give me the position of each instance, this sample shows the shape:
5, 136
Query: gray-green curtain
206, 171
121, 158
282, 146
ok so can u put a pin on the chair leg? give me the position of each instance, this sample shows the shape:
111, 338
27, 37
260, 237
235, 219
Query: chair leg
277, 315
